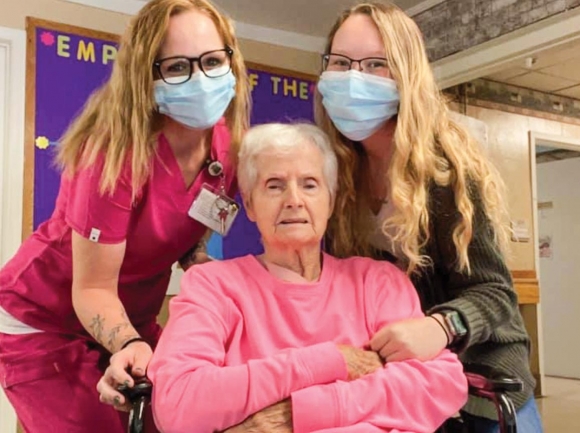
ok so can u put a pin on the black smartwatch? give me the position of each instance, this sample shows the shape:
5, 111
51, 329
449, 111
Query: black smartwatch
454, 324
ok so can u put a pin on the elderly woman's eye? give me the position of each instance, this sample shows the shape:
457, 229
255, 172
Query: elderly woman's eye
273, 185
310, 185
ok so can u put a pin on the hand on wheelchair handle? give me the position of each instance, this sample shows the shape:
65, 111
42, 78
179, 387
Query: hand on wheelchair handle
125, 367
137, 397
142, 387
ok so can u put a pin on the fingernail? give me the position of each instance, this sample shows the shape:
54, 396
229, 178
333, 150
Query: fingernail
117, 401
126, 383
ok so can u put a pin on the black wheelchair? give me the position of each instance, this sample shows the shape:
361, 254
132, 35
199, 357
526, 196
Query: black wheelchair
139, 397
483, 382
487, 383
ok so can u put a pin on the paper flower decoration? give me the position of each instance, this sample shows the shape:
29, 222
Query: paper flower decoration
42, 142
47, 38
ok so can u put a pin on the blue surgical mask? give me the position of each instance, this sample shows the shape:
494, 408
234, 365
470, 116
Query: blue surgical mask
358, 104
199, 102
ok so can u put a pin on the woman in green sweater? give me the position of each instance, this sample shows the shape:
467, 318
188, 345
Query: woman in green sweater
414, 187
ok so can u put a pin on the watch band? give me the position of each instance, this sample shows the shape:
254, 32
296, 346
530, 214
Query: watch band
455, 324
444, 328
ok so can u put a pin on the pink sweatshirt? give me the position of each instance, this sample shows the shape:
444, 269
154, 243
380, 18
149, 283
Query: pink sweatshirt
239, 339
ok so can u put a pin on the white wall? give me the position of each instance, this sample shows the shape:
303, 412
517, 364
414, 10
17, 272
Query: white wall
559, 183
12, 86
12, 78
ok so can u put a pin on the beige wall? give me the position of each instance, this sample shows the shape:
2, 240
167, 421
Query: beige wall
508, 147
14, 12
281, 57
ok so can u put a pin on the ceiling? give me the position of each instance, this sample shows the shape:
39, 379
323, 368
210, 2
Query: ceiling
309, 17
555, 70
548, 154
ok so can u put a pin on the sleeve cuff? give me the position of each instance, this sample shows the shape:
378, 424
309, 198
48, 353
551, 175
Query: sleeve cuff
103, 238
315, 408
325, 363
471, 317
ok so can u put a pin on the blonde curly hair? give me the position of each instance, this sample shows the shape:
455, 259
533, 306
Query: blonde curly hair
428, 147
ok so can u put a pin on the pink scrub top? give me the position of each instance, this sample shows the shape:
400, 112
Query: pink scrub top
36, 284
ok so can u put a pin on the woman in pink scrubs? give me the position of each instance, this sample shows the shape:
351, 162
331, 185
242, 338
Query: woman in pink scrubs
143, 164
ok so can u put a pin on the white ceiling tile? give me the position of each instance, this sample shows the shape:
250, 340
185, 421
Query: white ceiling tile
507, 74
554, 69
556, 55
569, 69
571, 92
539, 81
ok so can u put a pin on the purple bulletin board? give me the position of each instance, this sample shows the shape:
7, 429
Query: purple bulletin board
65, 64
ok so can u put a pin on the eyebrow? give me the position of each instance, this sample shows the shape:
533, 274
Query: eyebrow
378, 55
273, 176
180, 54
278, 176
311, 176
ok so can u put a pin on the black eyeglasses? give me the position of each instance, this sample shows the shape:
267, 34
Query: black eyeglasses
179, 69
369, 65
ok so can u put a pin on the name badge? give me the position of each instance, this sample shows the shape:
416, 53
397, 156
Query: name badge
214, 209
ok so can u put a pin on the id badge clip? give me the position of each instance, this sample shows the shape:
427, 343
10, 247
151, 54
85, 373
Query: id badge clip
214, 209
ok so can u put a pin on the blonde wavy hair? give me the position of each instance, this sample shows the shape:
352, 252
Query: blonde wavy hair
120, 120
428, 147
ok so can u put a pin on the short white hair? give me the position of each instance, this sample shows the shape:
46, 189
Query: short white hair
283, 137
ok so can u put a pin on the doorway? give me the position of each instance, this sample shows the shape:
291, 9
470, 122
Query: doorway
556, 162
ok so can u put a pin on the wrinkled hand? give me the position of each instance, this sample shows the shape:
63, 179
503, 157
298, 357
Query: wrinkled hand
421, 339
273, 419
134, 358
360, 362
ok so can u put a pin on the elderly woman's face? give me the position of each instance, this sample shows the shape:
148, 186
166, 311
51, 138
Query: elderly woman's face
290, 201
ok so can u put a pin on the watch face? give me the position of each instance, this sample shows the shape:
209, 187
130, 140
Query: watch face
454, 320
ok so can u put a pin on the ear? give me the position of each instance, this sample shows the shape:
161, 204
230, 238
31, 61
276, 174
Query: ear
247, 200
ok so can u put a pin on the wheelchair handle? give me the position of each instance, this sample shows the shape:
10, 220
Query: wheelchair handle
494, 384
494, 389
139, 397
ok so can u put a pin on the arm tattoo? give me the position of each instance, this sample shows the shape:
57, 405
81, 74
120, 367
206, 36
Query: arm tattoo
97, 325
117, 330
108, 338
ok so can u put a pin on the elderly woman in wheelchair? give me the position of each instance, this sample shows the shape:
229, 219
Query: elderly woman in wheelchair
279, 342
